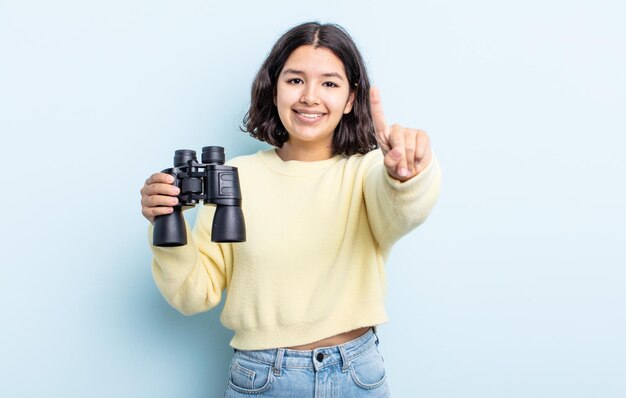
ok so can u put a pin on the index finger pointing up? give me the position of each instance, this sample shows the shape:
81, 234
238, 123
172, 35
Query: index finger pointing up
378, 115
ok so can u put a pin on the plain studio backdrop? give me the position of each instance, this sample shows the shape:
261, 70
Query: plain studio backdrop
514, 287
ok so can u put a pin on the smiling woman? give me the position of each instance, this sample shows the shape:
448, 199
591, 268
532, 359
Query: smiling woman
289, 62
307, 289
312, 95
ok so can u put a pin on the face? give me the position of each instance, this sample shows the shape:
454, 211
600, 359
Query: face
312, 94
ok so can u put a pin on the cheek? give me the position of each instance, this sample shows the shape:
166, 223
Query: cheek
286, 95
339, 100
338, 105
281, 104
283, 115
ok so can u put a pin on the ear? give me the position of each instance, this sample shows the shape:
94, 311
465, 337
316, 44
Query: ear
348, 107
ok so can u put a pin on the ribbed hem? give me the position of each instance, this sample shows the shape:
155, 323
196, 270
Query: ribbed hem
368, 314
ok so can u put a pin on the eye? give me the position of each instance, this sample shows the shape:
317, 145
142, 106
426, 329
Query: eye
295, 80
330, 84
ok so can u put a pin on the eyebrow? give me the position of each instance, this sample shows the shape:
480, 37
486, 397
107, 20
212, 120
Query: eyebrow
301, 73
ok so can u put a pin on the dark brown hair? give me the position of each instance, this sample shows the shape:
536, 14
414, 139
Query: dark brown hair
355, 131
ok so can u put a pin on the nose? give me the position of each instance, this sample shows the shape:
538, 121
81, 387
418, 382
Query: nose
310, 95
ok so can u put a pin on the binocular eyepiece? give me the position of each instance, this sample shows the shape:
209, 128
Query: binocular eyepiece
210, 182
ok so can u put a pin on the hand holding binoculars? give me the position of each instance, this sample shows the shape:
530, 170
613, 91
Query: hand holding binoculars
210, 182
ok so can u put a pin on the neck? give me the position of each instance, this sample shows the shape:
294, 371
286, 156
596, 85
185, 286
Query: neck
304, 153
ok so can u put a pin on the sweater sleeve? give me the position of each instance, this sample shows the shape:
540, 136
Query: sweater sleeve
192, 277
394, 208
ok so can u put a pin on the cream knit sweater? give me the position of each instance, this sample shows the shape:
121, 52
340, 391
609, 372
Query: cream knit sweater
318, 234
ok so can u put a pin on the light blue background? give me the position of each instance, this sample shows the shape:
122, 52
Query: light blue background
515, 287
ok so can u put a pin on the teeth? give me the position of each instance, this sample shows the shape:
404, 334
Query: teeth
310, 115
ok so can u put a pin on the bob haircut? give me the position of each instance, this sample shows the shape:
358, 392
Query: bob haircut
355, 131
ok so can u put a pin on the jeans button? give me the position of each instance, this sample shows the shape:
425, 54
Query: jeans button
320, 357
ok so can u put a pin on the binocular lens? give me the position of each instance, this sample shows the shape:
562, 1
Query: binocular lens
182, 156
169, 229
228, 225
213, 154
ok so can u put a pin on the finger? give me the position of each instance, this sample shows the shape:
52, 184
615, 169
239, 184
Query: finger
160, 183
378, 115
423, 152
160, 189
157, 205
397, 143
410, 145
424, 162
391, 160
152, 212
422, 143
160, 178
159, 200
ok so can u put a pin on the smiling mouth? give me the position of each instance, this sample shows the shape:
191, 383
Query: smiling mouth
309, 116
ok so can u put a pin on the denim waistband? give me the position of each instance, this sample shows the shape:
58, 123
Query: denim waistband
314, 359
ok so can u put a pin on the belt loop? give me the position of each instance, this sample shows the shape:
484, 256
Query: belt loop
278, 363
376, 335
344, 358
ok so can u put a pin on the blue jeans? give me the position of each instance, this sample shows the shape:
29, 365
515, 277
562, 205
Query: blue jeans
354, 369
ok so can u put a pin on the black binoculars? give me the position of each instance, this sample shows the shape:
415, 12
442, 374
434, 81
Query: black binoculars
210, 182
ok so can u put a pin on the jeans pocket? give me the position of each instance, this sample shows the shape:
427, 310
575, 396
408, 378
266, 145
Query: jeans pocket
248, 376
368, 370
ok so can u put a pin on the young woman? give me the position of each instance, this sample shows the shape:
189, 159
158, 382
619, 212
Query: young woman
323, 208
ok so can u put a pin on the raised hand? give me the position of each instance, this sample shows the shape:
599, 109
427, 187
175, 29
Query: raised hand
407, 151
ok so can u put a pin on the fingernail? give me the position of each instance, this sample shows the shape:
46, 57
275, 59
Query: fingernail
403, 172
